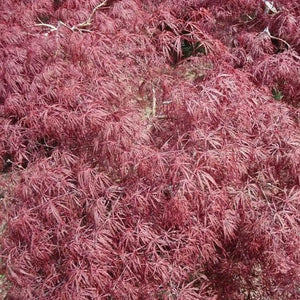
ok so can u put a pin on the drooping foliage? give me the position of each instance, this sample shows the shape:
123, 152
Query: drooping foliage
150, 149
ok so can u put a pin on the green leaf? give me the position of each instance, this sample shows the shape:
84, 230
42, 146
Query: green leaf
277, 94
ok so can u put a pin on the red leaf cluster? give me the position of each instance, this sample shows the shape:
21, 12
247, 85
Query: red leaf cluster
150, 149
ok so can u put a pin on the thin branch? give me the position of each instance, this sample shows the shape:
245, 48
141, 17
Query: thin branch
52, 27
42, 24
77, 27
96, 8
270, 7
88, 21
266, 30
47, 25
162, 117
279, 39
16, 165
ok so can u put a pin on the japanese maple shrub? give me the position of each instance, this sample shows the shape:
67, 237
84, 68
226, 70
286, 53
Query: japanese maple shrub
150, 149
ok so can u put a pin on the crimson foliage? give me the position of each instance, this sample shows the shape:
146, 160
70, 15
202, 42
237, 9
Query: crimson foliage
152, 147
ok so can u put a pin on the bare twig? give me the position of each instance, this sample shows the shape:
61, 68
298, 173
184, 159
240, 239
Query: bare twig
266, 30
162, 117
95, 9
88, 21
279, 39
79, 27
270, 7
52, 27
